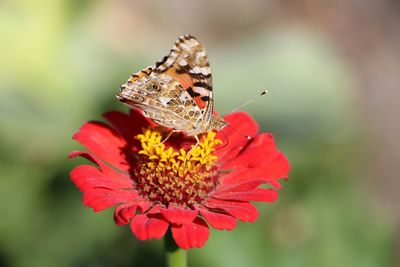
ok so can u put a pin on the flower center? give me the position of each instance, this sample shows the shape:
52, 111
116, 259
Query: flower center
168, 173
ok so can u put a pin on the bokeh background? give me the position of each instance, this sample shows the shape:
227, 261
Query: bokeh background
332, 69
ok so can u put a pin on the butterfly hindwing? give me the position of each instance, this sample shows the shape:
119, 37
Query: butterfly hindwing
161, 98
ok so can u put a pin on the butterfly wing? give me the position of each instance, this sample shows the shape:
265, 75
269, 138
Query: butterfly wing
161, 98
187, 63
177, 91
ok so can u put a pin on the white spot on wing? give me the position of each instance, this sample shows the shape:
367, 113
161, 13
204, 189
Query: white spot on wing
161, 67
164, 100
196, 69
185, 46
183, 96
169, 61
194, 109
205, 70
202, 70
201, 91
182, 62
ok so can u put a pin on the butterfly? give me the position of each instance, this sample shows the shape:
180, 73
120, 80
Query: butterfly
177, 91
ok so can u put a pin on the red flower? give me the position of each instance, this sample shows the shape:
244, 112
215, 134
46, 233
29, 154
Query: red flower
156, 187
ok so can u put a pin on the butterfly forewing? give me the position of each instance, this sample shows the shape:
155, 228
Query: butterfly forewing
177, 91
188, 64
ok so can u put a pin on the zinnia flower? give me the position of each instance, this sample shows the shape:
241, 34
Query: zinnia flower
157, 186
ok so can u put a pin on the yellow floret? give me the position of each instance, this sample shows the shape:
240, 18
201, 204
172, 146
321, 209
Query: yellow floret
179, 161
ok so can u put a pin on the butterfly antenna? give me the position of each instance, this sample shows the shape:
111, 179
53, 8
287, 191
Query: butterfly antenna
227, 141
249, 101
248, 137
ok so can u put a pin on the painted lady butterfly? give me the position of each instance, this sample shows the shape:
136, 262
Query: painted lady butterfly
177, 91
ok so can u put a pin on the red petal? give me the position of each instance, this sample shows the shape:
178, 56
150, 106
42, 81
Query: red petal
178, 215
277, 168
219, 220
261, 149
194, 234
136, 114
103, 167
124, 213
127, 125
104, 142
274, 183
240, 186
240, 125
101, 198
244, 211
87, 177
149, 226
257, 194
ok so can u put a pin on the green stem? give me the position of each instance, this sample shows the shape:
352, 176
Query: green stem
175, 256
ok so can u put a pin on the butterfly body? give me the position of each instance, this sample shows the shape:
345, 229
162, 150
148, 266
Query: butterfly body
177, 91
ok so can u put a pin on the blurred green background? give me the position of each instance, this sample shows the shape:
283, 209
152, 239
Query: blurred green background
332, 70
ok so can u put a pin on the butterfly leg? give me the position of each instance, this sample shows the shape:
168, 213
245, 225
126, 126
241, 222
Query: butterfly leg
166, 138
197, 143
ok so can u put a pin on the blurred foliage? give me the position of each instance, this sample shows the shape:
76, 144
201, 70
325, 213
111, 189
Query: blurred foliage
59, 69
